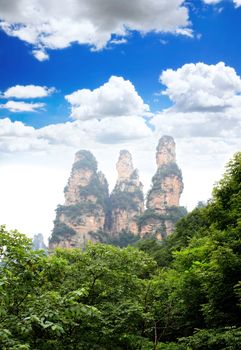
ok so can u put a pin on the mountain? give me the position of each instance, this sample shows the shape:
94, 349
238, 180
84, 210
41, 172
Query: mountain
90, 213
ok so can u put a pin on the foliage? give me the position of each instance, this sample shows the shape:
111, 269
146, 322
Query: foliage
86, 161
121, 239
172, 213
124, 239
60, 231
75, 210
170, 169
183, 293
126, 200
97, 189
215, 339
72, 299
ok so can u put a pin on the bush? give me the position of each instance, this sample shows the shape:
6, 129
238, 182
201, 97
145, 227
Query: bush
170, 169
126, 200
88, 161
61, 231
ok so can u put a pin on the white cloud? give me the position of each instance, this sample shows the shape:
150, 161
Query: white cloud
27, 91
17, 137
206, 103
55, 24
202, 87
116, 98
9, 128
110, 114
121, 129
237, 3
212, 2
118, 41
198, 124
41, 55
20, 106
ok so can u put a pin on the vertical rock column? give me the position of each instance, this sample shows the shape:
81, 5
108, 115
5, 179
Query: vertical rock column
126, 200
163, 198
84, 211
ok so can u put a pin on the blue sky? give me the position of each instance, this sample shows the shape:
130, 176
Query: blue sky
74, 48
140, 60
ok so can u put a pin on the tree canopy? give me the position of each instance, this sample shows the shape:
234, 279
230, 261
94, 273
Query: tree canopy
183, 293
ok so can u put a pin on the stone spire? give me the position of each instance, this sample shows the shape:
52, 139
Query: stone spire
124, 166
165, 151
86, 199
126, 200
163, 198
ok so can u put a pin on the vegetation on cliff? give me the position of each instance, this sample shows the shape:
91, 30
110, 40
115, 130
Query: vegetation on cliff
172, 213
166, 170
126, 200
86, 160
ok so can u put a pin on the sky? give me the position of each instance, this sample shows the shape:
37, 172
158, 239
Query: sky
110, 75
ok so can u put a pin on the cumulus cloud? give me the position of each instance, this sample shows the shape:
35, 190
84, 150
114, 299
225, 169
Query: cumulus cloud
206, 103
116, 98
17, 137
9, 128
20, 106
55, 24
27, 91
201, 87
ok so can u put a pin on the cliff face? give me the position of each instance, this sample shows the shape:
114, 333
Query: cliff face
163, 198
84, 211
126, 200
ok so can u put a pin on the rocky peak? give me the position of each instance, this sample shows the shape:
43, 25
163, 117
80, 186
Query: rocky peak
124, 166
83, 170
165, 151
38, 242
86, 198
163, 198
126, 200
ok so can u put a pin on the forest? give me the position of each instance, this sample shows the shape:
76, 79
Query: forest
182, 293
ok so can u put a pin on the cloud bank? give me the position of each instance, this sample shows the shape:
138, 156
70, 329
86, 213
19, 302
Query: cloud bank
56, 24
206, 104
